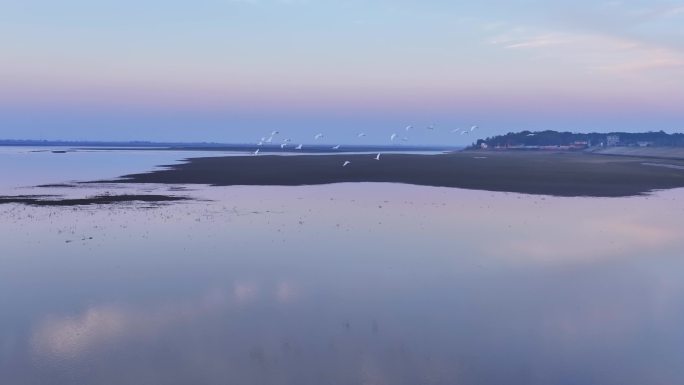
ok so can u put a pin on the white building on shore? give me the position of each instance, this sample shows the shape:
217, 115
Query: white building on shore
612, 140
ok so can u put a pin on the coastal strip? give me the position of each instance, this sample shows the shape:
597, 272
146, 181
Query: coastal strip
537, 172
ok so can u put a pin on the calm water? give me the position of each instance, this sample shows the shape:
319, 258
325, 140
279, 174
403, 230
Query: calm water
340, 284
22, 167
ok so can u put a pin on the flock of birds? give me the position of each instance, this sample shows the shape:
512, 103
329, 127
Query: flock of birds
393, 138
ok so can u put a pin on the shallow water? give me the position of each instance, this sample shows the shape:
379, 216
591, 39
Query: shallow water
345, 284
24, 167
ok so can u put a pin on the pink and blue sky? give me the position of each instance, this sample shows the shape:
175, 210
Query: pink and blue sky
233, 70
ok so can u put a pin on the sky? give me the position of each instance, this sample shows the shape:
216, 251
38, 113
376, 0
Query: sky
234, 70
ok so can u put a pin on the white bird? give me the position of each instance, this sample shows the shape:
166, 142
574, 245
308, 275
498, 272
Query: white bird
473, 128
274, 133
256, 152
431, 127
318, 136
283, 145
298, 147
464, 132
336, 147
361, 135
394, 136
404, 139
346, 162
260, 143
455, 130
287, 140
409, 127
269, 140
377, 157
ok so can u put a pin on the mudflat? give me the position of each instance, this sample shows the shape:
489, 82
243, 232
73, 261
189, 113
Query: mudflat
52, 200
548, 173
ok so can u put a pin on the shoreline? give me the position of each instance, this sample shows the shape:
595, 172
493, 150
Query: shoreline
548, 173
55, 200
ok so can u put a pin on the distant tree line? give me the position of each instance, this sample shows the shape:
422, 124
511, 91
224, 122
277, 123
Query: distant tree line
555, 138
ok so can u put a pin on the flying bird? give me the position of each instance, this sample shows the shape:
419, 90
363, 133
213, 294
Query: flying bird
346, 162
394, 136
473, 128
256, 152
404, 139
298, 147
318, 136
274, 133
431, 127
408, 127
283, 145
377, 157
336, 147
361, 135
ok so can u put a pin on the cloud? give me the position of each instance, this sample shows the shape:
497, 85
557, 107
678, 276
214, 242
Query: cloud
592, 51
675, 11
544, 40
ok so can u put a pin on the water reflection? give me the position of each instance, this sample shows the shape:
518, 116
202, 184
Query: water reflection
347, 284
580, 239
31, 166
58, 338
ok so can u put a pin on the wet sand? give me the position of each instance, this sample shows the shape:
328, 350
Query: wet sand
668, 153
548, 173
53, 200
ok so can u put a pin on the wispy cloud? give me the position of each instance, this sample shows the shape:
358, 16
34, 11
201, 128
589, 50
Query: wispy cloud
518, 38
643, 14
593, 51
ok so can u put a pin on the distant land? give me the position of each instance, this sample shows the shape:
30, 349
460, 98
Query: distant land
569, 140
213, 146
547, 139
